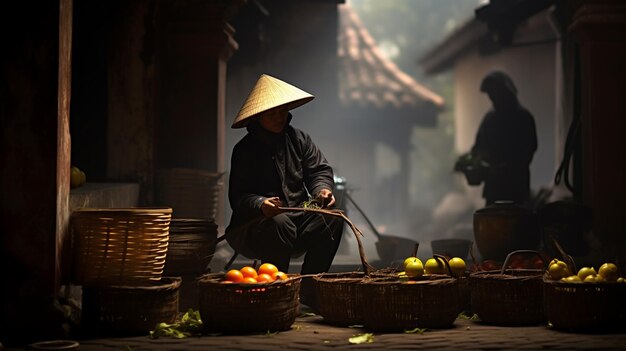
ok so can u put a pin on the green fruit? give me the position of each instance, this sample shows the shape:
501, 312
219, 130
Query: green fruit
571, 279
558, 269
609, 272
434, 266
585, 272
75, 177
414, 268
407, 260
457, 266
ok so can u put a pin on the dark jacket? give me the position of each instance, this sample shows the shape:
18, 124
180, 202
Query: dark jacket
507, 140
288, 165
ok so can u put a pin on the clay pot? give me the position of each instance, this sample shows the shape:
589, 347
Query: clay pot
504, 227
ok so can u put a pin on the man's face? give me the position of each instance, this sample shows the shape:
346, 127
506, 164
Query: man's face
274, 120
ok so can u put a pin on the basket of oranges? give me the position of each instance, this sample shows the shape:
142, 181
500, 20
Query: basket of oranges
509, 296
249, 300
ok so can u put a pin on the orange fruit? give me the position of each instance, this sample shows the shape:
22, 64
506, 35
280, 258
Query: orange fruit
268, 269
248, 271
279, 276
249, 280
264, 278
234, 276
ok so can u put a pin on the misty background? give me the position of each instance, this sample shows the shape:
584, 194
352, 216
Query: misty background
404, 31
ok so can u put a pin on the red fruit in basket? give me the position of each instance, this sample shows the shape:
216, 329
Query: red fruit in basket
280, 276
249, 280
234, 276
264, 278
249, 272
267, 268
489, 265
537, 263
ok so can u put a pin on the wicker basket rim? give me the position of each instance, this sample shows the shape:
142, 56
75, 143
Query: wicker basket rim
165, 283
156, 210
216, 278
582, 284
429, 280
496, 274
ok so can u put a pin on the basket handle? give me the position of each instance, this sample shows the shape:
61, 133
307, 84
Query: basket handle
414, 252
445, 260
566, 257
508, 258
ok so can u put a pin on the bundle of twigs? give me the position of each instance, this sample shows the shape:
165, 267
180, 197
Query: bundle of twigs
367, 268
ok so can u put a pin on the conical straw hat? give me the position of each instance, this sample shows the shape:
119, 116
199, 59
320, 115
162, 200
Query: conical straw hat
270, 92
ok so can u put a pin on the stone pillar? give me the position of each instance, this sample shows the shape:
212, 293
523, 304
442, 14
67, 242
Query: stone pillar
195, 43
35, 159
600, 28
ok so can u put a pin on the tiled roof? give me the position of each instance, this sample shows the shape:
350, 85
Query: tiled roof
367, 78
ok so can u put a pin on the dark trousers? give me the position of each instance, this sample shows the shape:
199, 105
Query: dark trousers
278, 239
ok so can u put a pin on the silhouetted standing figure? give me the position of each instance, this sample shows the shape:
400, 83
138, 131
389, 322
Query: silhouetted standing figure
506, 142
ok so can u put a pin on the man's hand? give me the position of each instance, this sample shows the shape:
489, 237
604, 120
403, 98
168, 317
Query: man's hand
270, 206
326, 198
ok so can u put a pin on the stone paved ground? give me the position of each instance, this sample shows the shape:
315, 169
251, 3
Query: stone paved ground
310, 333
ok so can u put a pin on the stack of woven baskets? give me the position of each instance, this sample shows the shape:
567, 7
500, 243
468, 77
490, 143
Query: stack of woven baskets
192, 243
191, 193
119, 256
193, 196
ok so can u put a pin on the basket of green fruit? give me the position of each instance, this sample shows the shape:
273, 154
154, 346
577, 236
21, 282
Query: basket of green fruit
414, 298
587, 300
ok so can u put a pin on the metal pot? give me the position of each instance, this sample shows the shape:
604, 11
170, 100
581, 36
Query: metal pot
390, 248
504, 227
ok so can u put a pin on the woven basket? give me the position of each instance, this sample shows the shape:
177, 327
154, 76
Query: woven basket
430, 301
339, 289
191, 193
514, 298
127, 310
585, 306
121, 246
191, 246
243, 308
511, 297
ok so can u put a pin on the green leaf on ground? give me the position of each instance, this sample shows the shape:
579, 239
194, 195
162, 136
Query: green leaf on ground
415, 331
467, 316
187, 325
362, 338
